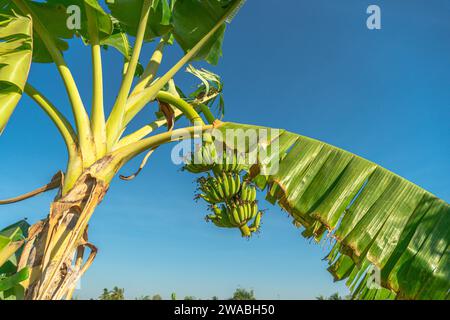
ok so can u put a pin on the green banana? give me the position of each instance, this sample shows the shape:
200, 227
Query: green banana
214, 193
249, 208
218, 168
233, 165
196, 168
233, 185
217, 211
209, 193
253, 195
227, 220
235, 215
209, 199
254, 210
248, 192
220, 217
225, 183
256, 223
244, 211
222, 185
214, 184
237, 182
244, 191
240, 214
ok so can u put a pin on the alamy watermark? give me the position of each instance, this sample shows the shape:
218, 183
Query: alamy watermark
374, 279
373, 22
73, 21
251, 145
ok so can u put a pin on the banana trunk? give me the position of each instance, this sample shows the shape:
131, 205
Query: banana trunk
51, 249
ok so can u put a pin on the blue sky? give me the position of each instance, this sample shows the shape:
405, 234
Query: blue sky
311, 67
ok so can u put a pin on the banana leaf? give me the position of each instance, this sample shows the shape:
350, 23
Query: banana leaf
54, 18
128, 13
192, 20
14, 280
16, 48
104, 22
11, 241
375, 218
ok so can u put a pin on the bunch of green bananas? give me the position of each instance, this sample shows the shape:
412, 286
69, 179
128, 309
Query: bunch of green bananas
232, 202
203, 159
237, 215
239, 202
220, 188
233, 162
206, 158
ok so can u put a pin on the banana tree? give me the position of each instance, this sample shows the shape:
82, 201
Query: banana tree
375, 218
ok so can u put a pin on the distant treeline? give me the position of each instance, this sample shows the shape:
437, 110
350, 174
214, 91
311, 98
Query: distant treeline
239, 294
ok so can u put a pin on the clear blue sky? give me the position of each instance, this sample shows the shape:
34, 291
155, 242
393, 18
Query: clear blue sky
311, 67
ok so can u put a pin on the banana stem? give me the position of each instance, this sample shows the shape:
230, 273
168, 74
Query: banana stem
56, 116
207, 113
75, 165
121, 156
151, 69
98, 125
245, 230
149, 128
115, 122
144, 131
78, 262
180, 104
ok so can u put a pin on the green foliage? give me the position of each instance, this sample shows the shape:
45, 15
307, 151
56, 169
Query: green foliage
128, 13
115, 294
334, 296
243, 294
208, 92
188, 20
376, 217
52, 16
15, 61
11, 242
192, 20
103, 21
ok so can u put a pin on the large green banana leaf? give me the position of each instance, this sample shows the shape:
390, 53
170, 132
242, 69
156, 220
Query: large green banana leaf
192, 20
54, 18
15, 60
104, 22
128, 12
11, 242
378, 222
188, 20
